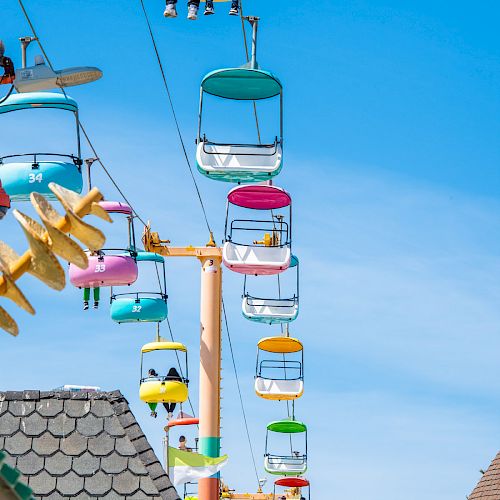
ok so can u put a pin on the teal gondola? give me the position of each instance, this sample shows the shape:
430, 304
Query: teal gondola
141, 306
240, 163
22, 174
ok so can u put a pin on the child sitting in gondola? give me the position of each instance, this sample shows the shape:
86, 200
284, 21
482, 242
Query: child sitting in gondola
97, 290
172, 374
7, 65
193, 6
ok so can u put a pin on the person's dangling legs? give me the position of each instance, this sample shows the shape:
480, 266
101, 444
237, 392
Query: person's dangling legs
97, 295
169, 407
193, 6
209, 8
235, 8
170, 10
86, 297
152, 407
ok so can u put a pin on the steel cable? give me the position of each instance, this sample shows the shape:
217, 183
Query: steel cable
172, 108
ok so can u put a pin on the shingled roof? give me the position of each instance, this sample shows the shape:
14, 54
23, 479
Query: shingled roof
80, 445
488, 487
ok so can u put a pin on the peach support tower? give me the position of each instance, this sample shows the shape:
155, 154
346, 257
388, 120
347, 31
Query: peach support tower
210, 257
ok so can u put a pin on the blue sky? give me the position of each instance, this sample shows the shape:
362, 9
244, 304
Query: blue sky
391, 155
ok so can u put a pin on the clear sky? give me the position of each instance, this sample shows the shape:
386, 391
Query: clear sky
391, 156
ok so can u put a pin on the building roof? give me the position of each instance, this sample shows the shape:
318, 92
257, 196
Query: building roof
80, 445
488, 487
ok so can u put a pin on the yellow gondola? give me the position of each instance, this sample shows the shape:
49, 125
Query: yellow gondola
168, 389
280, 378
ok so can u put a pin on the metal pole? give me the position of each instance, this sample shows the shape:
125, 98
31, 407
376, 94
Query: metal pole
254, 21
25, 41
210, 365
165, 449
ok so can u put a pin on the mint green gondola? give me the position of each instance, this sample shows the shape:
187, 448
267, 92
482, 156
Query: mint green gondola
240, 163
149, 307
293, 464
22, 174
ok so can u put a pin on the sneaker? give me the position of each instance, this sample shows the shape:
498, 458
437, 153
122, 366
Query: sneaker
96, 305
85, 305
170, 10
235, 10
193, 12
209, 8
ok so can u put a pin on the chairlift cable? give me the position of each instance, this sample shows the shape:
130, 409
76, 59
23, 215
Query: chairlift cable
159, 279
115, 184
3, 99
180, 366
40, 44
239, 392
179, 133
35, 34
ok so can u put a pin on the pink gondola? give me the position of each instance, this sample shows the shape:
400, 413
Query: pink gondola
272, 254
105, 269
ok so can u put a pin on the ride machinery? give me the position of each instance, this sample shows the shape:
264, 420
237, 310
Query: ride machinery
258, 245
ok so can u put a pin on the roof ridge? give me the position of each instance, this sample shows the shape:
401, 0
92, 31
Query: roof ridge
145, 451
34, 395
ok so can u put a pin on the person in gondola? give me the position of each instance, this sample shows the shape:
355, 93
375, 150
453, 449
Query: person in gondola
172, 374
97, 290
194, 5
4, 202
183, 444
7, 65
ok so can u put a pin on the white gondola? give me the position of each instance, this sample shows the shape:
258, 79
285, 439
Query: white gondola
272, 255
271, 310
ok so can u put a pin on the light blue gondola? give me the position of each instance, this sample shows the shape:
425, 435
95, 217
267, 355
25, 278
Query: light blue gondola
136, 307
22, 174
240, 163
272, 311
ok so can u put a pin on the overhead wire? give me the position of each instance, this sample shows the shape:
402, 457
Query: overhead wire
6, 96
179, 363
80, 124
174, 114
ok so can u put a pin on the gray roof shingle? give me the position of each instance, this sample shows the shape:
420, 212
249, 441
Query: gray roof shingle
80, 445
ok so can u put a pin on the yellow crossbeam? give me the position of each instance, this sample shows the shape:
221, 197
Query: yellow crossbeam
153, 243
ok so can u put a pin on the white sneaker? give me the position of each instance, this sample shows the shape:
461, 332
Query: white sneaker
170, 10
193, 12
